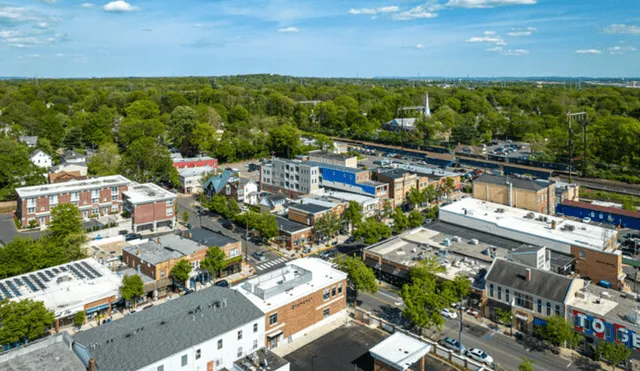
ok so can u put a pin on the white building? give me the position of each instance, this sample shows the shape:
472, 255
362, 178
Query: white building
73, 157
555, 233
370, 205
293, 177
205, 330
80, 286
80, 167
40, 159
400, 352
191, 178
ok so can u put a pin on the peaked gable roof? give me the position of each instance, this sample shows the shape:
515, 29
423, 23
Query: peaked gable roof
217, 182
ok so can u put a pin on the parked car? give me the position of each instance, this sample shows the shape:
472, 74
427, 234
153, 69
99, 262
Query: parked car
326, 255
449, 313
222, 283
453, 344
258, 255
132, 236
479, 355
227, 224
586, 220
473, 312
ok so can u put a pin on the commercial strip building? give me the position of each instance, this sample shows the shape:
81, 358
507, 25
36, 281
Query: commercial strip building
293, 235
97, 196
400, 352
296, 298
435, 176
400, 184
51, 353
527, 194
150, 207
599, 213
593, 247
81, 286
370, 205
352, 180
192, 162
206, 330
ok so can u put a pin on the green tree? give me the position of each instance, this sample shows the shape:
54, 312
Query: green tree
448, 187
558, 331
106, 161
386, 208
359, 276
613, 353
372, 231
185, 216
416, 197
504, 317
180, 272
400, 220
146, 161
24, 320
526, 365
284, 141
132, 287
415, 219
182, 122
213, 261
267, 226
65, 220
353, 214
218, 204
628, 205
327, 226
233, 208
78, 319
432, 213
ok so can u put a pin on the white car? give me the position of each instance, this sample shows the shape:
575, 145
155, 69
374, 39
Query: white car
586, 220
479, 355
449, 313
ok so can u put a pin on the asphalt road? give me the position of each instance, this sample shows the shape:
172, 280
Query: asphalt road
8, 230
506, 351
272, 260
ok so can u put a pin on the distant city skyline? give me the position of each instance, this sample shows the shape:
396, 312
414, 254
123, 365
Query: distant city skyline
323, 38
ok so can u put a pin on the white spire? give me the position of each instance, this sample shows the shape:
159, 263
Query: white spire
427, 110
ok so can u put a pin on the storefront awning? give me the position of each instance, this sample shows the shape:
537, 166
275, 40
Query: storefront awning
99, 307
522, 317
275, 334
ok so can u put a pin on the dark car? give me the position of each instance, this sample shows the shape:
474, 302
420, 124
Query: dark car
326, 255
222, 283
132, 236
227, 224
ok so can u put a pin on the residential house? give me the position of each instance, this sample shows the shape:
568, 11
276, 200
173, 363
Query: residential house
30, 141
216, 183
273, 204
40, 159
242, 190
80, 167
191, 178
73, 157
65, 176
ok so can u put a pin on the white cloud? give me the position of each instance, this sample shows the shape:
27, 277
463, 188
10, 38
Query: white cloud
87, 5
623, 28
621, 49
489, 33
420, 46
59, 54
49, 1
588, 51
519, 33
487, 3
495, 49
119, 6
487, 39
25, 40
373, 11
419, 12
515, 52
288, 29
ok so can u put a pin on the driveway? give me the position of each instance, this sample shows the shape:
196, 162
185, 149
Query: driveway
8, 230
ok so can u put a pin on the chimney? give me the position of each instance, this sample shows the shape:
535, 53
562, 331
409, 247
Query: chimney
553, 224
190, 235
158, 240
528, 274
92, 365
138, 252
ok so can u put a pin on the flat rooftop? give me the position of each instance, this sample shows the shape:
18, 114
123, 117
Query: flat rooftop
163, 248
329, 155
147, 192
400, 351
609, 303
289, 226
298, 278
334, 167
190, 159
51, 353
66, 288
311, 208
208, 237
524, 221
195, 171
458, 255
72, 186
346, 196
260, 358
426, 171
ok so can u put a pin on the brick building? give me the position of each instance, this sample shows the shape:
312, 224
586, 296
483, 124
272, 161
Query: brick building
307, 213
302, 295
293, 235
203, 161
532, 195
400, 184
97, 196
150, 206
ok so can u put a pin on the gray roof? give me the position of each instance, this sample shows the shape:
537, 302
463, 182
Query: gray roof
290, 226
561, 260
131, 272
146, 337
518, 183
51, 353
394, 174
32, 141
309, 208
208, 238
153, 253
544, 284
334, 167
526, 249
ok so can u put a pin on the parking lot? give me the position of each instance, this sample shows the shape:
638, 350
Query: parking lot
243, 167
509, 149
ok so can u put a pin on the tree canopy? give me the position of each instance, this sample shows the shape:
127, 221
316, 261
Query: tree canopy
180, 271
214, 260
359, 276
372, 231
558, 331
23, 320
132, 287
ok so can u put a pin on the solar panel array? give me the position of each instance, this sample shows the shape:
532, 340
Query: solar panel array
34, 282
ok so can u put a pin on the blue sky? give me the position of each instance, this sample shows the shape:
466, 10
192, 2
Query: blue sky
91, 38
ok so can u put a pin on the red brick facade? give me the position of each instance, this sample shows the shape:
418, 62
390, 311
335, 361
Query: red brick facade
180, 164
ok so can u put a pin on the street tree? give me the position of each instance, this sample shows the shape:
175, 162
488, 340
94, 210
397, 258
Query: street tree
526, 365
78, 319
400, 220
268, 226
328, 225
353, 214
372, 231
213, 261
233, 208
432, 213
430, 193
218, 204
416, 197
447, 188
613, 353
65, 220
558, 331
415, 218
359, 276
504, 317
185, 216
24, 320
180, 272
132, 288
386, 208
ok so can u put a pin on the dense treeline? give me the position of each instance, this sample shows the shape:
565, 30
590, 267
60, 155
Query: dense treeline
133, 122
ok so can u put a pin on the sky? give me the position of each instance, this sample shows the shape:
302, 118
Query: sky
324, 38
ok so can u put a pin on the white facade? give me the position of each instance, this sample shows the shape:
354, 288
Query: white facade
69, 167
293, 175
40, 159
234, 347
191, 178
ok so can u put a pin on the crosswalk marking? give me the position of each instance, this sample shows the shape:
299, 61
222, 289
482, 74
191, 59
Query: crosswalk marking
271, 263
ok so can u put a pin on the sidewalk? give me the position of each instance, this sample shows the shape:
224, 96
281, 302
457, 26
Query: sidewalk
338, 320
315, 248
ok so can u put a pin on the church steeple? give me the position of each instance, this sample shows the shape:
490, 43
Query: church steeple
427, 110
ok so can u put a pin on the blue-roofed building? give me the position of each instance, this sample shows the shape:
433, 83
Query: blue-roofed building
350, 179
216, 183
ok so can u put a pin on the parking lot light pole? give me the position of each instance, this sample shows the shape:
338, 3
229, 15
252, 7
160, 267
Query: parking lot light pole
461, 312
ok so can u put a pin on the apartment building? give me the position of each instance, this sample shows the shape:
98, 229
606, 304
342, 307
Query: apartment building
532, 195
97, 196
291, 177
400, 184
302, 295
342, 178
150, 207
529, 294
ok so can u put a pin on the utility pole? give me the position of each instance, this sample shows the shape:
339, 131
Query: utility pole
246, 244
580, 118
460, 313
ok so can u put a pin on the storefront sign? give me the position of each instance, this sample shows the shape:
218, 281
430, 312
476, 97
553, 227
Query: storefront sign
599, 328
539, 322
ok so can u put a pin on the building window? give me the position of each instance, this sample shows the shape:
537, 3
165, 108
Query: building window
581, 254
160, 368
499, 292
233, 253
53, 200
557, 309
170, 203
220, 344
333, 291
239, 352
95, 193
577, 322
169, 211
273, 319
539, 305
219, 362
607, 332
114, 197
74, 196
255, 327
114, 190
95, 211
326, 313
326, 296
255, 344
548, 309
491, 290
506, 295
198, 353
339, 289
240, 335
184, 360
95, 200
31, 210
114, 208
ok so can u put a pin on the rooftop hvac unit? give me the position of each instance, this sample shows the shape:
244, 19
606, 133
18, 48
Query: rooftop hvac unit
530, 216
473, 241
455, 239
446, 242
